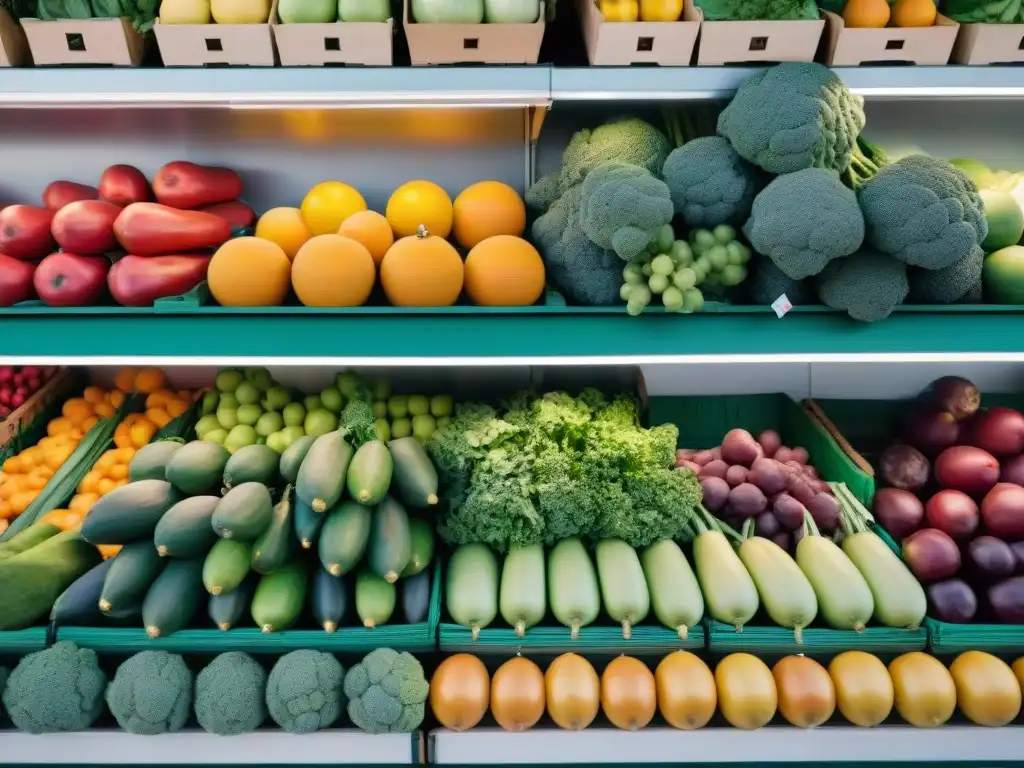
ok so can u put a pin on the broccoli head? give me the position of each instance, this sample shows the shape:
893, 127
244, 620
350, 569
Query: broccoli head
709, 182
624, 139
386, 692
793, 116
230, 695
59, 689
804, 220
868, 285
946, 286
151, 693
924, 212
304, 691
358, 419
622, 207
770, 282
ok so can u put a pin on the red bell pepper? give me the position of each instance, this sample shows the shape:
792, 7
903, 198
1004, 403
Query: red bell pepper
69, 280
15, 280
138, 281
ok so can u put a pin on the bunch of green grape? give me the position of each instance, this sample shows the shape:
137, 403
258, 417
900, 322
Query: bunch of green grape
719, 257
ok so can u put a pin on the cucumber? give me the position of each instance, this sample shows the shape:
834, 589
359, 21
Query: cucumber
174, 597
129, 513
675, 593
197, 467
390, 547
252, 464
416, 597
35, 534
523, 596
321, 478
421, 537
78, 605
307, 523
276, 545
729, 592
133, 571
784, 591
280, 597
244, 513
844, 597
150, 461
226, 566
292, 458
369, 473
573, 592
898, 596
471, 591
227, 610
344, 537
329, 600
414, 477
185, 529
375, 599
623, 586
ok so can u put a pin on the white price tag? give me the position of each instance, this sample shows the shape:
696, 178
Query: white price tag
781, 305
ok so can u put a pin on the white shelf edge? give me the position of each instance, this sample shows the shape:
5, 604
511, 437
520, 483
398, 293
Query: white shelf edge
194, 747
839, 744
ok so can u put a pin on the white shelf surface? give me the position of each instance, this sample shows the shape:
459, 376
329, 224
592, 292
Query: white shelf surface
839, 744
270, 747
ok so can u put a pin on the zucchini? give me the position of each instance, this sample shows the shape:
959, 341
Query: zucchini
134, 569
280, 597
344, 536
375, 599
471, 590
226, 610
150, 461
573, 591
252, 464
844, 597
292, 458
675, 594
414, 477
197, 467
416, 597
226, 566
623, 586
784, 591
78, 605
729, 593
369, 473
129, 513
276, 545
321, 478
244, 513
523, 597
307, 523
174, 597
35, 534
390, 547
185, 529
329, 600
421, 538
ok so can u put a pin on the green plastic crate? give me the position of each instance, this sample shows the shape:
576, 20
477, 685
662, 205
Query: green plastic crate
646, 640
23, 641
724, 638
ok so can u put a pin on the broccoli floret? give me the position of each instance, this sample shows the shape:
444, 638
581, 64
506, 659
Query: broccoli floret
793, 116
151, 693
59, 689
545, 191
230, 695
304, 691
357, 418
804, 220
386, 692
868, 285
624, 139
709, 182
924, 212
946, 286
622, 208
770, 282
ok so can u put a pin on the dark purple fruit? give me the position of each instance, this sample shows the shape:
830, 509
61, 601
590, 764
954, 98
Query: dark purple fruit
736, 475
952, 601
768, 475
825, 510
903, 466
954, 395
740, 447
767, 525
770, 442
1007, 600
746, 500
788, 511
716, 492
991, 557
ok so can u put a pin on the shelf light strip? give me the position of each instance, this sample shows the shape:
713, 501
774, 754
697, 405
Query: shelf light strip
341, 99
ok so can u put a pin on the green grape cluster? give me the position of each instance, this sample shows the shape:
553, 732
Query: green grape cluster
719, 258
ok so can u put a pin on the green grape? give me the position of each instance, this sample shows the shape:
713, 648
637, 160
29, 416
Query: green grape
704, 263
641, 293
718, 256
627, 290
702, 239
684, 278
634, 307
681, 253
744, 252
693, 300
666, 236
657, 283
734, 254
633, 273
733, 274
672, 298
662, 264
724, 234
646, 269
699, 272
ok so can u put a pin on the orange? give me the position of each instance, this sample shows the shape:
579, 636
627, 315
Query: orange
333, 271
141, 433
59, 425
105, 486
914, 13
372, 230
420, 203
149, 380
90, 483
486, 209
177, 407
118, 472
116, 398
105, 411
286, 227
83, 502
249, 272
77, 409
422, 271
56, 457
89, 423
158, 416
125, 380
504, 271
866, 14
328, 204
94, 395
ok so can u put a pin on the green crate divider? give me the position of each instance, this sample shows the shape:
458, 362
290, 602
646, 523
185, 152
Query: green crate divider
23, 641
703, 421
645, 640
724, 638
402, 637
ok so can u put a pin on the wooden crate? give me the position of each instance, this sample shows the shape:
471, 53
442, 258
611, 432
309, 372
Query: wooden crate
924, 46
366, 43
473, 43
744, 42
202, 45
616, 44
23, 416
112, 42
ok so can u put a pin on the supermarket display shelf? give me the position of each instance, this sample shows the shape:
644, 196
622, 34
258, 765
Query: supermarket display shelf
196, 747
782, 744
479, 335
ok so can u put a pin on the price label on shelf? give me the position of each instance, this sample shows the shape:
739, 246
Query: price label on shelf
781, 305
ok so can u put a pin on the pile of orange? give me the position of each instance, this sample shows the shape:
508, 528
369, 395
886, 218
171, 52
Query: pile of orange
162, 406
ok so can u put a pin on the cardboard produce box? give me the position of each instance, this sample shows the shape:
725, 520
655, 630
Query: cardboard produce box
621, 43
989, 44
925, 46
203, 45
745, 42
13, 46
473, 43
112, 42
366, 43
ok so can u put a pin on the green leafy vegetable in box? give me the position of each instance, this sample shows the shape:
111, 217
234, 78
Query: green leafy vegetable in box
758, 10
984, 11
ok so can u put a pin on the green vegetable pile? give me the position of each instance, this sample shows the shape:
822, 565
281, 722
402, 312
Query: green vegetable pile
543, 469
984, 11
141, 12
757, 10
